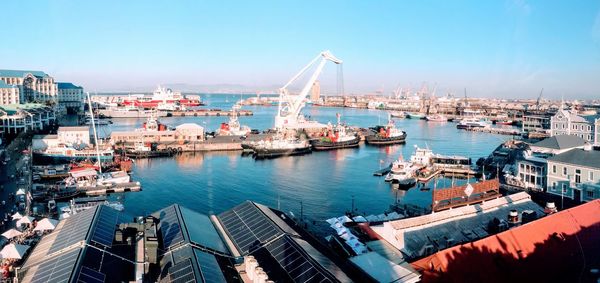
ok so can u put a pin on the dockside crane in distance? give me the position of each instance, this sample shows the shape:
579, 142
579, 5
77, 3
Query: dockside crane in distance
537, 103
290, 105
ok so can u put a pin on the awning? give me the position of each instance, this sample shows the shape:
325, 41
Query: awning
20, 192
15, 251
25, 220
46, 224
11, 233
17, 216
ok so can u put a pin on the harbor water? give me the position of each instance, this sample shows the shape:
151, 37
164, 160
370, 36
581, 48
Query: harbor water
319, 185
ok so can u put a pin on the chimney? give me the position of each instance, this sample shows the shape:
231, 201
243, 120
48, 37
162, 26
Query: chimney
550, 208
513, 217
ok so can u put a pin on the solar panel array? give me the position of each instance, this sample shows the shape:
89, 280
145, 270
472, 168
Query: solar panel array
211, 272
182, 272
296, 262
170, 227
106, 224
89, 275
56, 269
248, 226
74, 230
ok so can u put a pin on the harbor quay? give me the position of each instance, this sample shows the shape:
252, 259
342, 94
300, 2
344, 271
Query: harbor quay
167, 187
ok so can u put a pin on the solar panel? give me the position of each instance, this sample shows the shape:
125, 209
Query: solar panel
74, 230
201, 230
104, 230
211, 272
248, 227
56, 269
89, 275
170, 227
296, 262
182, 272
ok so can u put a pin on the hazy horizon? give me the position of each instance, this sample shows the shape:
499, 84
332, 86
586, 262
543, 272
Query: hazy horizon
509, 49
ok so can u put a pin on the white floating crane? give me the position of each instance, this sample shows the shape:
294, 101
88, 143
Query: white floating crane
290, 105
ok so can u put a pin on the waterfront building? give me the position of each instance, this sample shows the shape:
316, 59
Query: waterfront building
70, 98
424, 235
556, 248
531, 172
575, 174
34, 86
9, 94
17, 118
567, 122
536, 123
188, 132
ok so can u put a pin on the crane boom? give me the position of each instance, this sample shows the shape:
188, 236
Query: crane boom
290, 105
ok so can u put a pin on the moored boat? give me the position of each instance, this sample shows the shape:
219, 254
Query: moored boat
386, 135
436, 118
336, 137
402, 173
469, 123
415, 115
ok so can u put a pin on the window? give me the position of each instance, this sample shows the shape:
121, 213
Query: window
577, 176
591, 176
565, 171
589, 194
554, 169
564, 188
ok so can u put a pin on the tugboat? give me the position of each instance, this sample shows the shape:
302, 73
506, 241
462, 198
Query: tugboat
233, 127
386, 135
336, 137
142, 150
280, 145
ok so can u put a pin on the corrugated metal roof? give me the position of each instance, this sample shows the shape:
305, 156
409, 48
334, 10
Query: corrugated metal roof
22, 73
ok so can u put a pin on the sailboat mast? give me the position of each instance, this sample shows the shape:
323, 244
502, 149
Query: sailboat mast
95, 134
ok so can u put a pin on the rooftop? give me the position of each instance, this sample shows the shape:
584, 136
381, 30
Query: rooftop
13, 108
22, 73
5, 85
587, 158
65, 85
560, 142
447, 228
557, 248
80, 249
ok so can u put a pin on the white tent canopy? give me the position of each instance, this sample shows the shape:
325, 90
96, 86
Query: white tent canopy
46, 224
14, 251
25, 220
11, 233
20, 192
17, 216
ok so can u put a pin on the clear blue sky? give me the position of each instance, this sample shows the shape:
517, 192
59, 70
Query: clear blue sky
493, 48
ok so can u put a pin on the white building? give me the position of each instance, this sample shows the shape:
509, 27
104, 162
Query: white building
70, 97
34, 86
9, 94
566, 122
575, 174
17, 118
65, 135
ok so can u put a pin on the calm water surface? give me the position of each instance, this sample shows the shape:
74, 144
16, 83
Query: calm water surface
324, 182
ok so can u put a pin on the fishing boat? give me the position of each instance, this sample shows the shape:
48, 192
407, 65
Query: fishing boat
233, 126
469, 123
415, 115
336, 137
386, 135
398, 114
436, 118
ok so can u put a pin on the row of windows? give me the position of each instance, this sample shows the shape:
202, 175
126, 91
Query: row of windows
577, 173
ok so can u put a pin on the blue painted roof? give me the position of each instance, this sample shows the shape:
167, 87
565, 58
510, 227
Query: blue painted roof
3, 84
22, 73
64, 85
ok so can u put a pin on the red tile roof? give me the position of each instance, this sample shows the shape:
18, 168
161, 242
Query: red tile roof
562, 247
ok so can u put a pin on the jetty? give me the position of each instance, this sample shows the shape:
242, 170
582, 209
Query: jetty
100, 190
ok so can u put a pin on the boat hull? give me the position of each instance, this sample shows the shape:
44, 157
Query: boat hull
261, 153
378, 140
148, 154
130, 114
468, 126
53, 158
328, 145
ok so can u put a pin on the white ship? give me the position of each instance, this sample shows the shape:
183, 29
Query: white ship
130, 112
